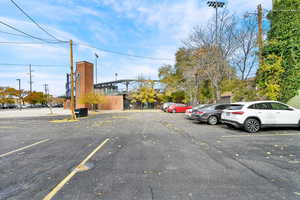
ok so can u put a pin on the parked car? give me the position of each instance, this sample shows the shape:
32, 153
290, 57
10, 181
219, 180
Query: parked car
188, 112
252, 116
210, 114
166, 105
178, 108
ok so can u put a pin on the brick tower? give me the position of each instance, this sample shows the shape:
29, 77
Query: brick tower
84, 81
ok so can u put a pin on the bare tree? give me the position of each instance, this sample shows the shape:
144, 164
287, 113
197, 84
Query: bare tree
245, 57
212, 54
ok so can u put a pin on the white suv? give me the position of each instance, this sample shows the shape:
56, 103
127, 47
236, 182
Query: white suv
252, 116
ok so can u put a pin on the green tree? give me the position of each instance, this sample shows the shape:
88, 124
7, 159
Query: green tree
269, 76
284, 43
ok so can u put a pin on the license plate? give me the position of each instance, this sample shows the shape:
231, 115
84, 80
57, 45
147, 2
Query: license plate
228, 114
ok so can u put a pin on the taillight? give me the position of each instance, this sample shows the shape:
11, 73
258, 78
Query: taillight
199, 112
238, 113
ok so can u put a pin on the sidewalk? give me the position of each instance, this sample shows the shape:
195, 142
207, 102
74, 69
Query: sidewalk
33, 112
40, 112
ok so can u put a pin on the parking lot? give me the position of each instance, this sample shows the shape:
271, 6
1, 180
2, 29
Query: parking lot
145, 156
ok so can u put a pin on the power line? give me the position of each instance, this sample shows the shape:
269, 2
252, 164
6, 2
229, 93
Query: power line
24, 43
125, 54
34, 37
13, 34
33, 65
31, 19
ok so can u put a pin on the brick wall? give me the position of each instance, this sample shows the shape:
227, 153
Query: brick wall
112, 103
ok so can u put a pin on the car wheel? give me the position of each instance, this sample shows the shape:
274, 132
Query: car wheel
212, 120
252, 125
174, 111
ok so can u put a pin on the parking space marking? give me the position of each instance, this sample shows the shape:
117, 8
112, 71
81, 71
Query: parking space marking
265, 135
23, 148
78, 168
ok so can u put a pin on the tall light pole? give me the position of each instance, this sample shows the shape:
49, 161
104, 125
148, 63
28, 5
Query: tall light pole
216, 4
19, 81
96, 66
116, 76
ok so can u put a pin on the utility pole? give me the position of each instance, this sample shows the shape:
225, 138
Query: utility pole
260, 34
30, 78
19, 80
47, 93
45, 88
72, 81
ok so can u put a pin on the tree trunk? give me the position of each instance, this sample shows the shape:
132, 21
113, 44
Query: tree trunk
218, 94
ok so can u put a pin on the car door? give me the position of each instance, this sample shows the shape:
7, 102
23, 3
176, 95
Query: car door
178, 107
284, 114
265, 113
219, 109
181, 107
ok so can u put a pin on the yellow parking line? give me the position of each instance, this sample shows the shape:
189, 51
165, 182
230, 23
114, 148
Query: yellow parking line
266, 135
58, 187
20, 149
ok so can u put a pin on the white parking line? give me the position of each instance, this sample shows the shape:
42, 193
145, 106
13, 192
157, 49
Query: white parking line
259, 135
23, 148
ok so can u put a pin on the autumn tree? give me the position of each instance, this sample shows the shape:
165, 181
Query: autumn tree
92, 99
8, 95
35, 98
213, 53
144, 95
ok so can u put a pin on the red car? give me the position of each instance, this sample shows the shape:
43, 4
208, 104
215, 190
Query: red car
178, 108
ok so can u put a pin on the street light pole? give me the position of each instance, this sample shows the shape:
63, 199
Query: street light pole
216, 4
96, 66
19, 80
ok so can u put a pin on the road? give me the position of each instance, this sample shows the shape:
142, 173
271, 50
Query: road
145, 156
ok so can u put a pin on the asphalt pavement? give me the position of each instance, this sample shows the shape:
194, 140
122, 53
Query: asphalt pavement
145, 156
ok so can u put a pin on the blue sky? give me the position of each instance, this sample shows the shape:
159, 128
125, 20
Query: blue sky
154, 28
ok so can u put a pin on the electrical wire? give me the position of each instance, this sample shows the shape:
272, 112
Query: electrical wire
125, 54
25, 43
31, 36
8, 33
33, 21
33, 65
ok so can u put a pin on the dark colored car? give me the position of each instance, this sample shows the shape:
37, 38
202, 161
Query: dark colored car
189, 112
210, 114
